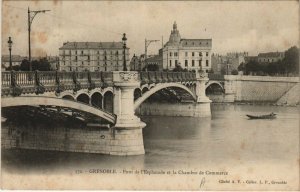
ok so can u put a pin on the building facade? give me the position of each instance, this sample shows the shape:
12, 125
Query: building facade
225, 64
93, 56
16, 60
191, 54
270, 57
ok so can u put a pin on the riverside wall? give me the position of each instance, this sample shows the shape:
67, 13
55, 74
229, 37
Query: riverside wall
258, 88
86, 140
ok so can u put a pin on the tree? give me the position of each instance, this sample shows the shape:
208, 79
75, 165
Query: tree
178, 68
291, 60
24, 65
234, 72
41, 65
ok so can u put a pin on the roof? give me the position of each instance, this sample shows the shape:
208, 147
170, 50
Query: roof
14, 58
271, 54
154, 58
196, 42
92, 45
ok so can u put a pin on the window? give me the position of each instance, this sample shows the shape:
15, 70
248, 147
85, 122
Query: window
200, 61
176, 62
186, 54
170, 63
206, 53
175, 54
200, 53
193, 54
170, 54
81, 52
186, 63
105, 69
82, 63
193, 63
88, 58
206, 63
76, 58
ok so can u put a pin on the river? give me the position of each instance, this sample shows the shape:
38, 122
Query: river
226, 140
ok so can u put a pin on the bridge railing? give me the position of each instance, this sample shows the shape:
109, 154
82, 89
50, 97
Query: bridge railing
216, 77
164, 77
42, 81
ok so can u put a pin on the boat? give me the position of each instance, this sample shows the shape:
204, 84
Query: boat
269, 116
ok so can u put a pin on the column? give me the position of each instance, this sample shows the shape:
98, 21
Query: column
128, 138
203, 102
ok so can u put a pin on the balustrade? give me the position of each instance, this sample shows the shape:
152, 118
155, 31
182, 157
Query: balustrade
158, 77
59, 81
144, 76
164, 77
152, 78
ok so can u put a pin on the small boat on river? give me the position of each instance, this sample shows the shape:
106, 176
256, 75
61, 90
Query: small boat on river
268, 116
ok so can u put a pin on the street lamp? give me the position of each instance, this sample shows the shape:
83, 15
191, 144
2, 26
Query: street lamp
9, 48
124, 39
30, 19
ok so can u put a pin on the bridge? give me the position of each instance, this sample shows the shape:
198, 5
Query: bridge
110, 97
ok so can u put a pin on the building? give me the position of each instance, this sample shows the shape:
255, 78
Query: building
270, 57
137, 63
225, 64
93, 56
15, 59
191, 54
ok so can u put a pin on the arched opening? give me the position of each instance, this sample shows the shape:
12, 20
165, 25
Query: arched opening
68, 97
215, 92
168, 92
84, 98
137, 93
96, 100
108, 102
144, 90
214, 89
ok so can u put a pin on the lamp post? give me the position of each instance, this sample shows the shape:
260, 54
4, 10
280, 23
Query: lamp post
124, 39
30, 19
9, 48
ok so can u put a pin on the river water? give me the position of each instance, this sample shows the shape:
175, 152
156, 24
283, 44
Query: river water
224, 141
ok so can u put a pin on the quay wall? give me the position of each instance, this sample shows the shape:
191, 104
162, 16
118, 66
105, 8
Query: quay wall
257, 88
87, 140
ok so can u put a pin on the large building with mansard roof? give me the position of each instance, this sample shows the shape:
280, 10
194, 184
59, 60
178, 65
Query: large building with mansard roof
92, 56
191, 54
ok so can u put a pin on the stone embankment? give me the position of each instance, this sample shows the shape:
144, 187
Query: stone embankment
291, 97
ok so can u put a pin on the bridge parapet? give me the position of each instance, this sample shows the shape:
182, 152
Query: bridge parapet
217, 77
166, 77
46, 81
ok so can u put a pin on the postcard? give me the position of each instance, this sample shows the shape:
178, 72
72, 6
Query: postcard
150, 95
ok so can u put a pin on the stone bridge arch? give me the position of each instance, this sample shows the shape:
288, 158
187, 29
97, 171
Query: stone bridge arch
159, 87
214, 83
58, 102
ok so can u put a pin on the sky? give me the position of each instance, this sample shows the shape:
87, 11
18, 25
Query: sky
251, 26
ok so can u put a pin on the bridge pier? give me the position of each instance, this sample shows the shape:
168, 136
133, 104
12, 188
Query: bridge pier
202, 108
128, 127
229, 96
